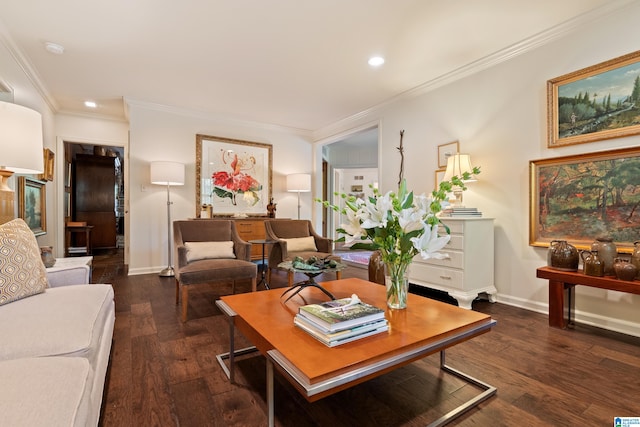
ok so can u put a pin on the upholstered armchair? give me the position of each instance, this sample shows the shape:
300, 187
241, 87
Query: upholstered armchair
295, 238
210, 251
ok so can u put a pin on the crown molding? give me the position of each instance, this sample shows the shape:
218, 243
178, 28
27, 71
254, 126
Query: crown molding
26, 67
213, 117
503, 55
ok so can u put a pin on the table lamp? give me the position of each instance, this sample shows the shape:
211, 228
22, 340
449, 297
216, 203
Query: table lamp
299, 183
457, 165
167, 173
22, 150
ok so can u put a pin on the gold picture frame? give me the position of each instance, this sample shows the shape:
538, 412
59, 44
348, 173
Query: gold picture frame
439, 177
233, 176
445, 151
581, 197
574, 118
49, 160
32, 206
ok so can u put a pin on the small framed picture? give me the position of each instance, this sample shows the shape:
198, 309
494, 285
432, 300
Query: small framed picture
439, 177
48, 158
445, 151
32, 204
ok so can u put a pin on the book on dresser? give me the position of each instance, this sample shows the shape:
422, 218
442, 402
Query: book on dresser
341, 314
344, 336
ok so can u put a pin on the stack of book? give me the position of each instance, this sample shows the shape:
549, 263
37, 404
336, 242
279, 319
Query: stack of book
340, 321
456, 211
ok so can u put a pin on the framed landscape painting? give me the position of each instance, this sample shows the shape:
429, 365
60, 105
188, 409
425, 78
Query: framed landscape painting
595, 103
233, 176
32, 204
582, 197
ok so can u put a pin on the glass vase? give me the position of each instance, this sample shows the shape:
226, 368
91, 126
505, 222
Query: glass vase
397, 283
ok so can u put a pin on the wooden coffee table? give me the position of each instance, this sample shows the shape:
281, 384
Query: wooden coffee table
317, 371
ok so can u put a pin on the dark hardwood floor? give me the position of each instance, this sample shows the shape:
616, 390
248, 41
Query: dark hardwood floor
164, 372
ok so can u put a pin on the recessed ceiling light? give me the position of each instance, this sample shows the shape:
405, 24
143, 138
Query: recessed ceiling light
54, 48
376, 61
90, 104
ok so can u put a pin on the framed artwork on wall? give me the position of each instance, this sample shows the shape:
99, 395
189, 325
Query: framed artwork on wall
581, 197
49, 157
595, 103
233, 176
32, 204
439, 176
445, 151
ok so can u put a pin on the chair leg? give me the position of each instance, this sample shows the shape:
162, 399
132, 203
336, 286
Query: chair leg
177, 291
338, 275
269, 270
290, 278
254, 285
185, 302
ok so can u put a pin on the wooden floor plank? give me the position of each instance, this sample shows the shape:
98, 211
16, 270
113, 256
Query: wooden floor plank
164, 373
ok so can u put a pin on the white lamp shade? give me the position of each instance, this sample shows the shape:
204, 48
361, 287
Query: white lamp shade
167, 173
20, 139
457, 165
299, 182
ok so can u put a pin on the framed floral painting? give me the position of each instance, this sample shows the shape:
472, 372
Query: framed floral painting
233, 176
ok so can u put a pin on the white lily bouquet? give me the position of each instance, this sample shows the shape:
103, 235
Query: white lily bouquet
400, 225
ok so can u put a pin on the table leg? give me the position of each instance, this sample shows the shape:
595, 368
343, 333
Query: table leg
264, 270
232, 353
270, 392
561, 303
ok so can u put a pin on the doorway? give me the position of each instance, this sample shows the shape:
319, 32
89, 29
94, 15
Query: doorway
94, 193
350, 165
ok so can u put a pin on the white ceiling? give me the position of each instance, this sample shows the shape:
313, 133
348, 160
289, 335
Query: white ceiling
294, 63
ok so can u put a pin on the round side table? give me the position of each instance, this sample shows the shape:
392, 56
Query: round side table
263, 242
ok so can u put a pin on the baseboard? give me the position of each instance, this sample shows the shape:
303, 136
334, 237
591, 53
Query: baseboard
591, 319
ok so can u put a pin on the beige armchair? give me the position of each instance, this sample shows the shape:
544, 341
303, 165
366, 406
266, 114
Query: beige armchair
210, 251
295, 238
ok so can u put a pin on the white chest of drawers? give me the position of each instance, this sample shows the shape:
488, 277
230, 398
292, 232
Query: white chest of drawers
469, 269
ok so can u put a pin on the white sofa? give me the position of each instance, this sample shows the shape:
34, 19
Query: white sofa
54, 348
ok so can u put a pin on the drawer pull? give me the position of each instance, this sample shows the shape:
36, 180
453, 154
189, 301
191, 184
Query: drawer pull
445, 277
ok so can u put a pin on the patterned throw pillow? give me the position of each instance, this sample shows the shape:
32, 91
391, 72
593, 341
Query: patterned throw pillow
22, 272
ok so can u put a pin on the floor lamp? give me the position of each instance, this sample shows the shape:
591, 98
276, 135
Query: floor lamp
299, 183
167, 173
21, 148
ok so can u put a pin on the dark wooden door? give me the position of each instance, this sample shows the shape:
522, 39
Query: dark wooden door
94, 189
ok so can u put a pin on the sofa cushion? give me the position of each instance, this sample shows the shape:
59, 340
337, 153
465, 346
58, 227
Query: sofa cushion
45, 391
22, 272
301, 244
214, 270
209, 250
63, 321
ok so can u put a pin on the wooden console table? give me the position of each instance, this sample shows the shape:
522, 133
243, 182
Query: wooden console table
562, 291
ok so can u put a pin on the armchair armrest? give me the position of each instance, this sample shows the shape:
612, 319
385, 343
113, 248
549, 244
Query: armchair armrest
241, 248
324, 244
181, 258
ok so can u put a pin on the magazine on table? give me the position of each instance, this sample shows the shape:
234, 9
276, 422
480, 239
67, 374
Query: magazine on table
342, 337
341, 314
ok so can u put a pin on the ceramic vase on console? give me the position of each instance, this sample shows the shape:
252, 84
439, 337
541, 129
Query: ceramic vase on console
624, 270
607, 252
396, 281
563, 256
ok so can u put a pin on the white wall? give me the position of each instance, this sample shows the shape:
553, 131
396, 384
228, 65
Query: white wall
25, 94
499, 117
88, 130
161, 134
